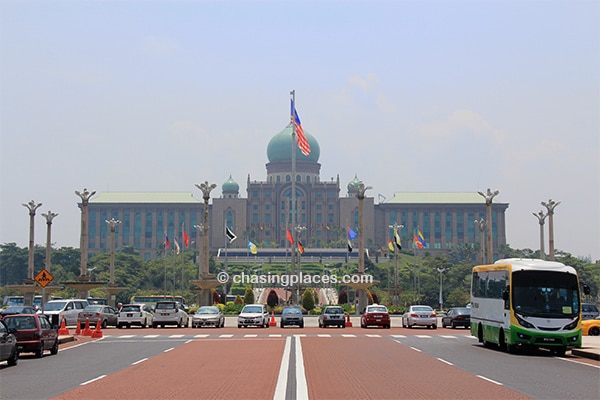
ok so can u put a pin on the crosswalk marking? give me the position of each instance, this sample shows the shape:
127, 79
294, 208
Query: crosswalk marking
323, 335
275, 335
224, 335
126, 336
373, 335
423, 336
151, 336
201, 336
176, 336
251, 335
348, 335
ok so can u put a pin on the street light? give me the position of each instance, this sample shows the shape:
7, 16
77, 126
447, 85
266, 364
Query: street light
49, 217
83, 242
112, 223
206, 188
396, 227
481, 223
541, 217
362, 295
489, 196
441, 271
32, 207
550, 206
299, 230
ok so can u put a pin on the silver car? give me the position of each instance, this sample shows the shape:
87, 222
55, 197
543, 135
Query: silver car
420, 316
254, 315
169, 313
134, 314
208, 316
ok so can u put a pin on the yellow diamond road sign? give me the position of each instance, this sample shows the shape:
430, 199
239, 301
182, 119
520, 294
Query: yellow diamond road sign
44, 277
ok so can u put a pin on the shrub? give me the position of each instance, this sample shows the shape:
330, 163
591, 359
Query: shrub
249, 296
272, 298
238, 300
216, 298
343, 297
308, 300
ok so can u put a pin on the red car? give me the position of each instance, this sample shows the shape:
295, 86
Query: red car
34, 333
375, 314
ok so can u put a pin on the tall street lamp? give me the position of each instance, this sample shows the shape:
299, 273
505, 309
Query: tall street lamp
83, 242
362, 295
32, 207
299, 230
396, 227
112, 223
441, 271
541, 217
49, 217
550, 206
481, 224
205, 279
489, 196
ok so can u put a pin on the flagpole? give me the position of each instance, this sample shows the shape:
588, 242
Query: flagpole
165, 262
293, 210
182, 263
226, 247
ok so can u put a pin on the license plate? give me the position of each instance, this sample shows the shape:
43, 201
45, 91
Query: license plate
130, 315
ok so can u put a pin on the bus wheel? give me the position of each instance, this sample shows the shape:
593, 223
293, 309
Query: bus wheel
480, 334
504, 345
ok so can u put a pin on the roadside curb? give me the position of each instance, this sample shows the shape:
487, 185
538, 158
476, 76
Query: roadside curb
591, 353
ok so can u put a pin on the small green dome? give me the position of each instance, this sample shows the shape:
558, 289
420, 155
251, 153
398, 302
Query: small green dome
353, 185
279, 148
230, 186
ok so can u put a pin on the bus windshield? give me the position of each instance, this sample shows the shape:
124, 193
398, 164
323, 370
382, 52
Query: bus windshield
545, 294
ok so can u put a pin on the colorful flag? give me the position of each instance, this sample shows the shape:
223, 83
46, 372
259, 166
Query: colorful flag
290, 238
167, 245
230, 235
349, 246
422, 239
300, 247
397, 240
186, 239
351, 234
177, 246
302, 141
418, 242
252, 247
390, 245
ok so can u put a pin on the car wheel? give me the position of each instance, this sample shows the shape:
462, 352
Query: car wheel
239, 326
594, 331
154, 325
179, 323
143, 325
54, 349
434, 326
453, 325
14, 358
301, 324
39, 352
119, 326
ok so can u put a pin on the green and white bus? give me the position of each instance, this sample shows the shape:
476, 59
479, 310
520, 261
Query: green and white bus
526, 302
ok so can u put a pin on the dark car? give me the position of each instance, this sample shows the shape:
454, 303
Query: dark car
34, 333
375, 314
332, 316
291, 316
98, 312
8, 345
12, 310
457, 316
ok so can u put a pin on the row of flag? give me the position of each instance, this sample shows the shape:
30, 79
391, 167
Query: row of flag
186, 241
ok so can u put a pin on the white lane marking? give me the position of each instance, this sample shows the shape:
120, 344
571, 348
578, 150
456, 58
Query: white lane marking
275, 335
187, 341
373, 335
201, 336
399, 336
444, 361
127, 336
489, 380
228, 335
423, 336
448, 336
415, 349
175, 336
92, 380
250, 335
139, 361
323, 335
348, 335
301, 385
167, 350
151, 336
281, 387
579, 362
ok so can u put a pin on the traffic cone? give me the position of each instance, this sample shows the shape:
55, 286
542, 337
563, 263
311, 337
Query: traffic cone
348, 322
87, 331
63, 327
97, 333
272, 322
78, 329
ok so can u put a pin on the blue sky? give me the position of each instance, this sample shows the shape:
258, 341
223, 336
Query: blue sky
409, 95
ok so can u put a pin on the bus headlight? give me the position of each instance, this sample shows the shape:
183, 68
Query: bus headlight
524, 323
572, 325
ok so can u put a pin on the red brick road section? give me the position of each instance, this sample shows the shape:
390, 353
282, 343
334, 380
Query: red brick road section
379, 368
202, 369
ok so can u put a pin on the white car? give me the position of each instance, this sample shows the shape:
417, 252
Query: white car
169, 313
419, 315
67, 308
254, 315
134, 314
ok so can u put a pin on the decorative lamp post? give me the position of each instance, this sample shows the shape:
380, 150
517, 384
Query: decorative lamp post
541, 217
441, 271
205, 281
83, 243
550, 206
481, 223
362, 295
299, 230
112, 223
32, 207
199, 232
49, 217
489, 196
396, 227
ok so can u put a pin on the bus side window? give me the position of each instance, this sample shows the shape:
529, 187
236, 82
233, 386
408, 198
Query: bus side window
506, 297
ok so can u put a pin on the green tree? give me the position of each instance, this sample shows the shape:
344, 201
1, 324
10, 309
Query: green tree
308, 300
249, 296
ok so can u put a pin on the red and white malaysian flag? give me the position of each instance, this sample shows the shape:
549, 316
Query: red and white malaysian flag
302, 142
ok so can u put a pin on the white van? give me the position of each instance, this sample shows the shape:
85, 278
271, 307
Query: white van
68, 308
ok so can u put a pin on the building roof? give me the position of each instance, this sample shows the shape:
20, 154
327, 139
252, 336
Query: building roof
280, 147
437, 198
145, 197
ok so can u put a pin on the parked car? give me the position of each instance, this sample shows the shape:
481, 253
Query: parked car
98, 312
169, 313
12, 310
591, 327
332, 316
253, 315
291, 315
375, 314
67, 308
457, 316
419, 315
134, 314
8, 345
208, 316
589, 311
34, 333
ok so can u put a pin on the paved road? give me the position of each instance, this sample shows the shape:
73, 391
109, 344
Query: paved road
295, 363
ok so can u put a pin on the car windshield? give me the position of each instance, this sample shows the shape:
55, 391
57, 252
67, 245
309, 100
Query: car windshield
59, 305
462, 310
130, 309
207, 310
93, 308
334, 310
252, 309
291, 311
422, 308
13, 310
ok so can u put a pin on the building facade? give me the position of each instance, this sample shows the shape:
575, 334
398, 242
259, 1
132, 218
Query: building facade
324, 211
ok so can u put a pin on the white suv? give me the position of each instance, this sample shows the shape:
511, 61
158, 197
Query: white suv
134, 314
67, 308
254, 315
169, 313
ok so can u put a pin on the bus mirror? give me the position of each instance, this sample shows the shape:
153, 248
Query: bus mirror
586, 288
505, 294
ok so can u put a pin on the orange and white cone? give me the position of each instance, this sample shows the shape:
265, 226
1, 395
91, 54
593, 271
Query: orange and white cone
63, 327
97, 333
87, 331
273, 322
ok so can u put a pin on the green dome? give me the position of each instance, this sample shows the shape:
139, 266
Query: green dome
230, 186
279, 148
353, 185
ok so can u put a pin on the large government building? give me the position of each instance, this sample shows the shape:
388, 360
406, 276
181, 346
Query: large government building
325, 210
